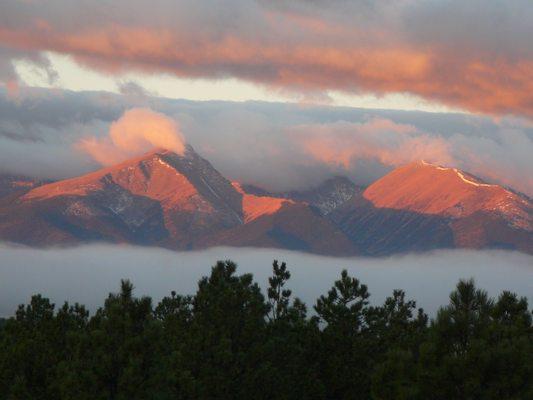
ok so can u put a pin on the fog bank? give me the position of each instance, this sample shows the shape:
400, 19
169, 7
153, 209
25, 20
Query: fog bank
87, 274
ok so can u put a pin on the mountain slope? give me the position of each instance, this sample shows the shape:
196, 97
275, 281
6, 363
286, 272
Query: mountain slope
162, 198
292, 220
255, 206
425, 206
432, 189
159, 197
294, 226
14, 185
326, 197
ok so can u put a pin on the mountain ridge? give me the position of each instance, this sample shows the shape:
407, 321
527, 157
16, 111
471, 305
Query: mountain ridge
466, 194
182, 202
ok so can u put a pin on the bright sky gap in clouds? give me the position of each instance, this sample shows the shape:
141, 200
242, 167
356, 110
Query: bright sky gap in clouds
72, 76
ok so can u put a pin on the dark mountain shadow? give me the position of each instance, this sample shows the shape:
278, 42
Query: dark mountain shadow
12, 186
385, 231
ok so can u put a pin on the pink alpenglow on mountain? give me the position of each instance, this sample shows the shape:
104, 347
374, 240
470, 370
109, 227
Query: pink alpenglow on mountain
181, 201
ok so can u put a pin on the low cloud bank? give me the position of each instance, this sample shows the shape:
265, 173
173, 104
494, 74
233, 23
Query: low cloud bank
87, 274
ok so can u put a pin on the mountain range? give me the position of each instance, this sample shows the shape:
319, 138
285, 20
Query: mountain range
182, 202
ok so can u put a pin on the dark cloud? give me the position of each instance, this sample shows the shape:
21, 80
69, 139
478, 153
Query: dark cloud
485, 28
133, 89
474, 55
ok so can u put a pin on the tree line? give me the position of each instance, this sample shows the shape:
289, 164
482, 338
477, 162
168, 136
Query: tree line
231, 341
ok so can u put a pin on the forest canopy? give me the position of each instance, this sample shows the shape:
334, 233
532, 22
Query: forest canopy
232, 341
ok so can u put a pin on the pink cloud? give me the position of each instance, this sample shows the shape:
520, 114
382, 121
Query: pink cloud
299, 48
345, 143
137, 131
504, 159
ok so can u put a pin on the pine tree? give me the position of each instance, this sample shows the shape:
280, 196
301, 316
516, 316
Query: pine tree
229, 341
344, 358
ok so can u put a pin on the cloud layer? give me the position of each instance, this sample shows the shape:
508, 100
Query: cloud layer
346, 143
474, 55
276, 146
504, 157
137, 131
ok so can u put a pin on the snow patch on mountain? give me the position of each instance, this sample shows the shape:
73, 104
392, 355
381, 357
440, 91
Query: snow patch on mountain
328, 196
459, 173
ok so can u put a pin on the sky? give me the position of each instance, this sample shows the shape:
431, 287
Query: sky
475, 55
67, 75
282, 94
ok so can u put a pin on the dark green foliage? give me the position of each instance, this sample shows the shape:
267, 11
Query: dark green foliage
33, 344
228, 341
344, 351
